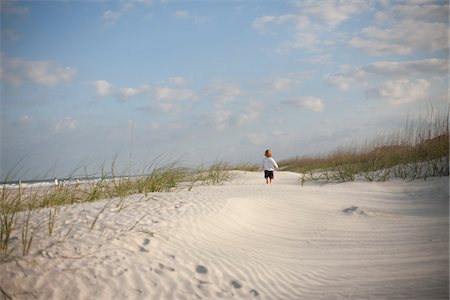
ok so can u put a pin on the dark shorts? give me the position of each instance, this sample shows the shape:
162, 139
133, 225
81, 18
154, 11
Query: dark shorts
268, 174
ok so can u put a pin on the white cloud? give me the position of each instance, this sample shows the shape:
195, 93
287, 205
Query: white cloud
404, 38
184, 14
103, 87
313, 22
132, 92
344, 81
177, 80
311, 103
388, 69
262, 22
400, 91
424, 10
167, 107
41, 72
66, 124
222, 93
167, 93
9, 35
251, 113
110, 17
332, 12
406, 30
280, 83
181, 14
433, 66
25, 120
220, 119
16, 70
12, 7
284, 82
129, 92
340, 81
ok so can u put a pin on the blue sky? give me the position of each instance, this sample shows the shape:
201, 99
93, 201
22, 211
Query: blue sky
83, 81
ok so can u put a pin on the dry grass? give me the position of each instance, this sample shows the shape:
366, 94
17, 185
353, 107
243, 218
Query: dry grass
18, 204
420, 150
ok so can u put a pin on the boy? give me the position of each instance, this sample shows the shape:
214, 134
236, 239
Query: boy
268, 165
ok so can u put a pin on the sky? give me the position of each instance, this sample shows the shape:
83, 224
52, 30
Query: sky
86, 83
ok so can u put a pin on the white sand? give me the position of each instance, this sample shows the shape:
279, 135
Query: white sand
246, 240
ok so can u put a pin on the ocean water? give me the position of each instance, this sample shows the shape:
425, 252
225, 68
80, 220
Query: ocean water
49, 182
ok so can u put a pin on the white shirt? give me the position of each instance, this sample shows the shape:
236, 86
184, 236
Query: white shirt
268, 163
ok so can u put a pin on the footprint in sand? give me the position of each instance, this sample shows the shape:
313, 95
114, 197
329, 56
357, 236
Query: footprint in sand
142, 249
144, 243
236, 284
163, 268
201, 269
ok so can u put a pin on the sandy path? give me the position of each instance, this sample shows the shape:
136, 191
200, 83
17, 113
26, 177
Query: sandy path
247, 240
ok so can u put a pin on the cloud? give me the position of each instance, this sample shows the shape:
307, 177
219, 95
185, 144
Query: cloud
284, 82
12, 7
219, 119
16, 70
403, 38
222, 93
184, 14
110, 17
261, 23
310, 103
308, 24
168, 93
391, 69
251, 113
9, 35
425, 10
340, 81
66, 124
433, 66
181, 14
400, 91
166, 107
103, 87
132, 92
406, 29
25, 120
43, 72
177, 80
332, 12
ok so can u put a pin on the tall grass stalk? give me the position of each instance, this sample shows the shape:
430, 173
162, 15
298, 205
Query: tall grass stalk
27, 233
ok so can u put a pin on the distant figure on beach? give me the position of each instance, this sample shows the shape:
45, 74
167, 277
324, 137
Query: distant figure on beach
56, 182
268, 165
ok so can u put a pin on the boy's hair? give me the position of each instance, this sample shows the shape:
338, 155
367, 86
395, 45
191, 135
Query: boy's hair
268, 153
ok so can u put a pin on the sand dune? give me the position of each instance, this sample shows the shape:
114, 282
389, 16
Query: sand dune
245, 240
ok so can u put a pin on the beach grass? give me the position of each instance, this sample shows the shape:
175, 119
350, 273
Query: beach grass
17, 204
419, 150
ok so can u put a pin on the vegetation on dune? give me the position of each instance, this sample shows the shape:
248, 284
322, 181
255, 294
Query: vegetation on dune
17, 205
420, 150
